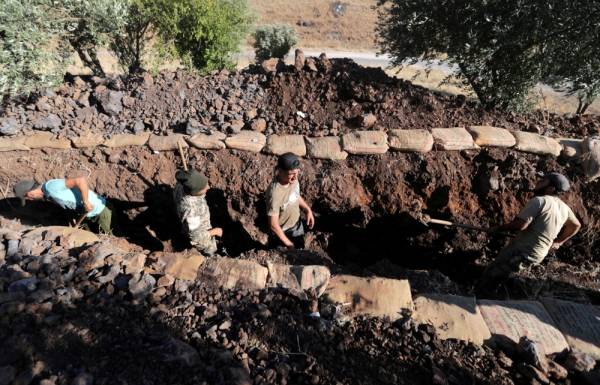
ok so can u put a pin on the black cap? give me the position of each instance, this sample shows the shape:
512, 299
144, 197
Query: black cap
288, 161
22, 188
192, 181
559, 181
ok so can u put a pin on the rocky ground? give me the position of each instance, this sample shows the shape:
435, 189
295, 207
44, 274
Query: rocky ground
321, 97
66, 324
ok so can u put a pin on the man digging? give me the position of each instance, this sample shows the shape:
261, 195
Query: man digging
284, 203
69, 194
544, 224
192, 208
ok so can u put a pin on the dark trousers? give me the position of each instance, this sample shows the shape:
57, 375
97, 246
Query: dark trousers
294, 234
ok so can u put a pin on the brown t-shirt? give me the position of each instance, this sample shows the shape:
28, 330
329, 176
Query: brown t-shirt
284, 201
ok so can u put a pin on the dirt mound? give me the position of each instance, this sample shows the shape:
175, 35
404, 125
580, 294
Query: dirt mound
334, 97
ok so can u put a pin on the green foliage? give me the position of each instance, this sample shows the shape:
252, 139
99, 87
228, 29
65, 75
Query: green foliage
205, 33
502, 48
273, 41
28, 59
91, 24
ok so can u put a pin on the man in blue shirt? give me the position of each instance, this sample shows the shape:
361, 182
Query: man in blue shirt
71, 194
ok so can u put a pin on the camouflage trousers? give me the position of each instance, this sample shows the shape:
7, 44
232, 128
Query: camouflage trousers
206, 247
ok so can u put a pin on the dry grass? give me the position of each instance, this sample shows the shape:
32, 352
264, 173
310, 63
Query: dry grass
354, 30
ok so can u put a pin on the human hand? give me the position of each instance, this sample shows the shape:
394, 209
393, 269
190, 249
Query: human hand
556, 245
310, 219
217, 232
87, 206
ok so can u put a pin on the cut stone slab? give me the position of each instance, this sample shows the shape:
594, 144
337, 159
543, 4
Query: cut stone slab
326, 147
247, 141
365, 142
124, 140
591, 161
280, 144
89, 140
231, 273
579, 323
179, 265
536, 143
571, 148
488, 136
212, 141
167, 143
13, 144
515, 319
414, 140
76, 237
453, 139
381, 297
452, 316
298, 278
46, 140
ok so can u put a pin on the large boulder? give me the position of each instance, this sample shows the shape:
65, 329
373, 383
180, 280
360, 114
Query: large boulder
280, 144
414, 140
231, 273
373, 296
13, 144
298, 278
591, 158
50, 122
46, 140
515, 319
247, 141
97, 255
536, 143
111, 102
326, 147
179, 265
489, 136
9, 126
87, 140
452, 139
124, 140
579, 323
365, 142
167, 143
74, 236
212, 141
452, 316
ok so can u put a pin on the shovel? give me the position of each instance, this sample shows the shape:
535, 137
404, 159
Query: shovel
462, 225
426, 220
78, 223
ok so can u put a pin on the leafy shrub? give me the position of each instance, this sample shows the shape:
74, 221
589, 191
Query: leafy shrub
205, 33
273, 41
28, 59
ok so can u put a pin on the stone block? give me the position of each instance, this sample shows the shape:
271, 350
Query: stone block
488, 136
536, 143
212, 141
167, 143
452, 139
247, 141
414, 140
232, 273
280, 144
298, 278
124, 140
326, 147
365, 142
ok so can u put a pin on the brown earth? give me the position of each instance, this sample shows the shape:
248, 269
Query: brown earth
367, 210
334, 100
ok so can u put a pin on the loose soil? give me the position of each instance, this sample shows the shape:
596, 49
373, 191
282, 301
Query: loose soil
367, 222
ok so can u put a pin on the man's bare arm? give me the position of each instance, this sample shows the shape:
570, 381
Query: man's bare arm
570, 228
277, 230
310, 218
81, 184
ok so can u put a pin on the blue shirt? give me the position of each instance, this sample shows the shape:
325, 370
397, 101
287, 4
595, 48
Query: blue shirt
57, 191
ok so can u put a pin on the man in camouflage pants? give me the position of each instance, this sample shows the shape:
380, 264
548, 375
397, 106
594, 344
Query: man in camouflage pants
190, 199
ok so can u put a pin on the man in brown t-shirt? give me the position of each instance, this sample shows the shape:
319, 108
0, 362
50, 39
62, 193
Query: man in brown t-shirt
284, 203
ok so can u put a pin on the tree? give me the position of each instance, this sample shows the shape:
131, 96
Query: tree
573, 59
501, 48
205, 33
90, 25
29, 35
130, 42
273, 41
